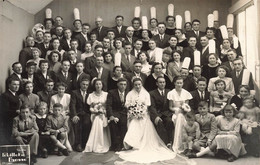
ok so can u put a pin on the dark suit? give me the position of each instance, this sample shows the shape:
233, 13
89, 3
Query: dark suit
89, 63
9, 104
15, 77
25, 55
104, 77
188, 52
82, 41
238, 80
76, 82
40, 80
129, 77
64, 44
80, 108
25, 76
194, 102
43, 49
117, 109
162, 43
131, 41
100, 34
122, 32
67, 81
192, 34
227, 64
126, 65
160, 108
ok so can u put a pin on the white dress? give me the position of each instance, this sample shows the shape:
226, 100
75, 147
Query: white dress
179, 121
147, 147
99, 139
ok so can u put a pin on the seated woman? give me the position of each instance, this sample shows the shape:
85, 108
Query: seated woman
221, 75
99, 139
173, 41
56, 47
150, 82
219, 97
224, 48
174, 67
244, 91
29, 98
88, 51
209, 70
182, 41
228, 137
54, 61
177, 97
144, 58
141, 135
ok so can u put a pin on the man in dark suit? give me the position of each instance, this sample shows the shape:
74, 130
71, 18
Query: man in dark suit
29, 75
241, 76
232, 55
45, 46
161, 116
65, 41
100, 72
127, 60
90, 61
161, 39
17, 74
119, 28
117, 114
204, 41
64, 75
129, 35
136, 73
199, 95
189, 51
10, 105
100, 30
83, 37
26, 53
195, 32
79, 75
80, 114
137, 46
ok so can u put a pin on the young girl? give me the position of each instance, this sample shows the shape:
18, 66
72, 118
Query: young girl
144, 58
54, 59
41, 118
219, 97
118, 44
191, 132
88, 51
228, 137
250, 116
36, 57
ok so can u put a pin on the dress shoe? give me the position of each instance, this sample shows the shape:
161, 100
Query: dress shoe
44, 153
192, 155
231, 158
59, 153
33, 158
65, 152
78, 148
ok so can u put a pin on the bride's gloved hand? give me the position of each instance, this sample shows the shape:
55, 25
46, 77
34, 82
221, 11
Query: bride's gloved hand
157, 120
115, 119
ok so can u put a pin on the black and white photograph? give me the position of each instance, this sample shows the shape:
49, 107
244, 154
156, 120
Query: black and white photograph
130, 82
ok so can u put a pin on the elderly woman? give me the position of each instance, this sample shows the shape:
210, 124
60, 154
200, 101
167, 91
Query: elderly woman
173, 41
182, 41
209, 70
224, 48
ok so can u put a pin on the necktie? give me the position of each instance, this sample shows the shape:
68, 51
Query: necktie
237, 74
25, 125
162, 93
202, 95
197, 33
99, 73
128, 58
121, 97
84, 97
161, 37
66, 75
119, 29
130, 40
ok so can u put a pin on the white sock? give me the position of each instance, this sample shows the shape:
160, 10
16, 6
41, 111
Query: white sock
203, 152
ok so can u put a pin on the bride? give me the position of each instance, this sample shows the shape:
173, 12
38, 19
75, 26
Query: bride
141, 140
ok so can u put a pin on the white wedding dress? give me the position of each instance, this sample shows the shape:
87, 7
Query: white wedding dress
147, 147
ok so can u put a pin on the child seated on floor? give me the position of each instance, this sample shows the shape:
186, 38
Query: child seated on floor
57, 125
41, 117
250, 117
191, 132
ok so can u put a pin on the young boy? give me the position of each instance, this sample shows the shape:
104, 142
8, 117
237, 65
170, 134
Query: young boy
57, 125
191, 132
200, 94
208, 126
25, 131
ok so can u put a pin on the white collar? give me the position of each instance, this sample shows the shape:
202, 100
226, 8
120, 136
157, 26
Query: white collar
12, 92
40, 117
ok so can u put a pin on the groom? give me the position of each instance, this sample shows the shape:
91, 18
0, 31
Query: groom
117, 114
160, 114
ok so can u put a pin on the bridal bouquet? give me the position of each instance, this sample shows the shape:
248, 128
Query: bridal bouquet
136, 110
98, 108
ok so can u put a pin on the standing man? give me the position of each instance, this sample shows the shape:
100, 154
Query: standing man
83, 36
129, 35
127, 60
80, 114
196, 32
64, 75
45, 46
100, 30
160, 113
117, 114
161, 39
90, 61
119, 28
26, 53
